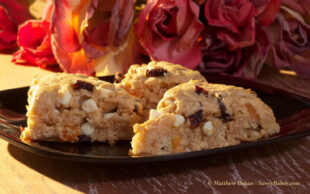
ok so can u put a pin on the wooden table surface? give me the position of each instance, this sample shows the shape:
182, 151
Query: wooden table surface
277, 168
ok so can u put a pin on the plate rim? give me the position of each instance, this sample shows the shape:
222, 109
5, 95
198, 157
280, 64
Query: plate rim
143, 159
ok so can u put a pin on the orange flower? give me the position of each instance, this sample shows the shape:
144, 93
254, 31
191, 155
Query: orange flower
90, 36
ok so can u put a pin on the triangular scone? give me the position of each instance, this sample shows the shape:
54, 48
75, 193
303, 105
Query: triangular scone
71, 108
150, 82
197, 116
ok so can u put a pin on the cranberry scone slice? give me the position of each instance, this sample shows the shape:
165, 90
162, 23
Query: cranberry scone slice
150, 81
198, 116
72, 108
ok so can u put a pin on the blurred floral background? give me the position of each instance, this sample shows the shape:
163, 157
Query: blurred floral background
100, 37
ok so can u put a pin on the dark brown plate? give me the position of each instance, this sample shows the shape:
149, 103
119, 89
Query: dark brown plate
291, 111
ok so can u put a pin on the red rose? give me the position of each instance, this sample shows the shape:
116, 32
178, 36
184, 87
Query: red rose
34, 40
267, 10
8, 31
200, 2
168, 30
234, 21
243, 62
9, 21
291, 38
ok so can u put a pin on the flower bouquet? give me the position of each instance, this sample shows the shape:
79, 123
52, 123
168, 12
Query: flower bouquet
235, 37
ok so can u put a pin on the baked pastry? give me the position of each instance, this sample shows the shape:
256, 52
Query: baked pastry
197, 116
150, 82
72, 108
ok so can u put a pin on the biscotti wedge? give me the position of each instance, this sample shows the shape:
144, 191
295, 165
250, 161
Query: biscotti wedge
197, 115
150, 82
72, 108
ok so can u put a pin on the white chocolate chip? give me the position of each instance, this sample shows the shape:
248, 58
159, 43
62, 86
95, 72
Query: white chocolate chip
208, 128
87, 129
89, 105
154, 114
179, 120
169, 102
55, 111
66, 97
109, 115
105, 92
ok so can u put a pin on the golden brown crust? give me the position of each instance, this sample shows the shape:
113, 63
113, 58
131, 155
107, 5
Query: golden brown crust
212, 115
149, 82
64, 106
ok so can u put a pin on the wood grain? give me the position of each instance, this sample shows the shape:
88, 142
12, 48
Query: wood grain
13, 76
275, 164
286, 162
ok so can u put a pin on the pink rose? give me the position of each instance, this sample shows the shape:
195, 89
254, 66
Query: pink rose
291, 38
114, 24
234, 21
12, 13
168, 30
243, 62
34, 40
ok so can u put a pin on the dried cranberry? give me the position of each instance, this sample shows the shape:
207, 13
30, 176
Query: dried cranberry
84, 138
158, 72
136, 108
118, 77
196, 119
259, 128
84, 120
113, 110
224, 115
199, 90
79, 84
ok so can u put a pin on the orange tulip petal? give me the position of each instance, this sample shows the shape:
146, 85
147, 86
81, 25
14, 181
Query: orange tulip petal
65, 25
72, 62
